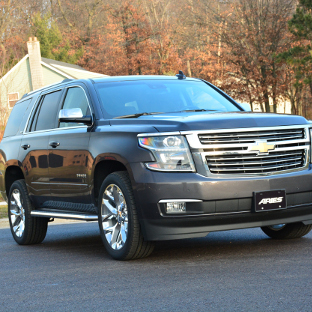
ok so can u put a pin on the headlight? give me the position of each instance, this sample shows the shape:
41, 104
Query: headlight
171, 153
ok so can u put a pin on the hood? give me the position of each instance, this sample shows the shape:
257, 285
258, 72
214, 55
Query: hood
209, 121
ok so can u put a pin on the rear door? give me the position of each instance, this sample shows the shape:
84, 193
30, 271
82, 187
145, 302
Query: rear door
34, 147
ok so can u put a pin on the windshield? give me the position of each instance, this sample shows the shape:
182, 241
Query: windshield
161, 96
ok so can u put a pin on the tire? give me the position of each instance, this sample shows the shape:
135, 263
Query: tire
26, 230
118, 220
287, 231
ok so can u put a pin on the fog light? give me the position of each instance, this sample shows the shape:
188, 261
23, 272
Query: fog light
176, 207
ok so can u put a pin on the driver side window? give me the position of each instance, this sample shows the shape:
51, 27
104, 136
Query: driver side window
75, 98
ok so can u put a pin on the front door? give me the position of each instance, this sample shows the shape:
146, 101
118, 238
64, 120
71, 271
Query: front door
70, 162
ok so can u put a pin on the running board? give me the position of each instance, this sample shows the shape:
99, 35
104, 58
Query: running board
64, 215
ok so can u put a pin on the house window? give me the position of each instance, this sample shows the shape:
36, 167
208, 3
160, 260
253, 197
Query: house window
13, 98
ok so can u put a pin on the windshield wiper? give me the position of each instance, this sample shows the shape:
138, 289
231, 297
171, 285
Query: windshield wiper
138, 115
199, 110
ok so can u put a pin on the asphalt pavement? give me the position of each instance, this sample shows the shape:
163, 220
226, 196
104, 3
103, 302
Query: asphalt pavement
226, 271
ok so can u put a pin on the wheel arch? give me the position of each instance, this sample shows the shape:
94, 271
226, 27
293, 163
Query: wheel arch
12, 174
106, 165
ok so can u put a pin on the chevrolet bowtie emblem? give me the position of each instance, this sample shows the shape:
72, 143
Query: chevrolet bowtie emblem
261, 147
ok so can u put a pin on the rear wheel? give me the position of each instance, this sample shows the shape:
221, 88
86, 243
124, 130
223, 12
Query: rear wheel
286, 231
26, 230
118, 220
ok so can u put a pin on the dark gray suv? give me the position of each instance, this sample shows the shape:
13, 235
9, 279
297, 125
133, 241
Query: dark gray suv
152, 158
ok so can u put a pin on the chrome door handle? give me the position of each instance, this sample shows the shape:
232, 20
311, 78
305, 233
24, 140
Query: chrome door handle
54, 144
25, 146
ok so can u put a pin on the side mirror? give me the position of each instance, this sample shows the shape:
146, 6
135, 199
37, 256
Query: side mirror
74, 115
246, 107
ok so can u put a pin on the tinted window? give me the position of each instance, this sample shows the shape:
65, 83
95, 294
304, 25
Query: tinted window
16, 117
131, 97
26, 116
46, 114
75, 98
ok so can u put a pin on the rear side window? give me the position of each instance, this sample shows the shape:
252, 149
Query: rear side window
15, 118
45, 116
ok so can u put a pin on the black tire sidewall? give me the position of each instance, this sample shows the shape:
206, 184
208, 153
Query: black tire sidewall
123, 252
289, 231
27, 208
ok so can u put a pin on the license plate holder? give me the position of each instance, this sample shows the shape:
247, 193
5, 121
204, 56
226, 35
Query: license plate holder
269, 200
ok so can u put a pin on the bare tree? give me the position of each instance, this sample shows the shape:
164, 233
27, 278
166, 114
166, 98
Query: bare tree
254, 34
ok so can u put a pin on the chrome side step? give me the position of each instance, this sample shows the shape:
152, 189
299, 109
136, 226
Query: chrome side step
64, 215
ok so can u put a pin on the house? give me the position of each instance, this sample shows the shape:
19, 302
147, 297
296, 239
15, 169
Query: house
33, 72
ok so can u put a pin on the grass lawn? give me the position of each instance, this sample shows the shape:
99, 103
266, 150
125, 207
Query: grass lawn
3, 211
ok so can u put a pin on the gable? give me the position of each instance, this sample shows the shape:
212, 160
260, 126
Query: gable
17, 80
51, 76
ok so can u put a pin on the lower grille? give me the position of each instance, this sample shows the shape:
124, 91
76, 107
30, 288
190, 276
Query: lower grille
253, 163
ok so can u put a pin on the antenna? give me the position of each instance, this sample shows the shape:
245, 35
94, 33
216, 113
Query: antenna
181, 75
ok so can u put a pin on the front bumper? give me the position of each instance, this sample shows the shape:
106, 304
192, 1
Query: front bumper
226, 204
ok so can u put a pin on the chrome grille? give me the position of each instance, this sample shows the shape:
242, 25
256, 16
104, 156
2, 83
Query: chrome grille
249, 137
254, 151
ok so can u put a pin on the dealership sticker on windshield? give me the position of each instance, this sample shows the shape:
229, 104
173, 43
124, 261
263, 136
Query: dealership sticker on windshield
270, 200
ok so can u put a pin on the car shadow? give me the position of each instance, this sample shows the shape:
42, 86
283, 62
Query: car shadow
237, 244
85, 240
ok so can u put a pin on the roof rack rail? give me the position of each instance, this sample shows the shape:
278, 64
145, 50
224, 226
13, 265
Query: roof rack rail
68, 80
50, 85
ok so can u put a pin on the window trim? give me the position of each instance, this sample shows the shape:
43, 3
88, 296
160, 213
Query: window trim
62, 104
37, 103
36, 114
34, 109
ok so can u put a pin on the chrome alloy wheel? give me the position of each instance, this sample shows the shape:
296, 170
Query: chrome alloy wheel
17, 213
114, 214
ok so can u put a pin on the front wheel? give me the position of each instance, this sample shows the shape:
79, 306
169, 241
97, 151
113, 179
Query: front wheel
26, 230
286, 231
118, 220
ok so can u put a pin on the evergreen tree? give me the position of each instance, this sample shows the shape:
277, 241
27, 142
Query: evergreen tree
51, 40
300, 56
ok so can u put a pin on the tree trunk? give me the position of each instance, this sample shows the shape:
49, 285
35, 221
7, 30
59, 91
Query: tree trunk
189, 72
267, 102
293, 106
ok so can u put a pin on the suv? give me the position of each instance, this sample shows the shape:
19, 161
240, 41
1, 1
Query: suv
152, 158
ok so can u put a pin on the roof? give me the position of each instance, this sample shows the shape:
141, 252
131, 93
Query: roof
69, 70
115, 79
59, 63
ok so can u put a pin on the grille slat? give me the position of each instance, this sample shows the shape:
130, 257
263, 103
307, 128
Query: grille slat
224, 155
260, 163
236, 140
251, 134
252, 156
259, 170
